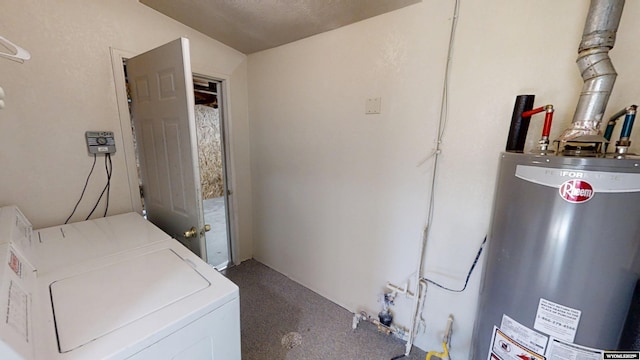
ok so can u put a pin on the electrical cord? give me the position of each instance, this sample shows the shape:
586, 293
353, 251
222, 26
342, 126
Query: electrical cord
109, 172
106, 187
466, 281
83, 189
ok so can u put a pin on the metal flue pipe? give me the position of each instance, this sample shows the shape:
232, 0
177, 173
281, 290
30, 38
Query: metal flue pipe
597, 71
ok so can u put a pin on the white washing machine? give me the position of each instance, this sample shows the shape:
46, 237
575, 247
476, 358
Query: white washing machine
112, 288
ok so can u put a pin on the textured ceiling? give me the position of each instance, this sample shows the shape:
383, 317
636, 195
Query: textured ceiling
253, 25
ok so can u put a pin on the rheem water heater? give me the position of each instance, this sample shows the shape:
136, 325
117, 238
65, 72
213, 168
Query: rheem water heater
563, 256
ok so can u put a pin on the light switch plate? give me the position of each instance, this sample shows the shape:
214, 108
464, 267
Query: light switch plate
372, 106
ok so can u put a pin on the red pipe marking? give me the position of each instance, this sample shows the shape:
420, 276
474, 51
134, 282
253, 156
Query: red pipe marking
533, 112
548, 118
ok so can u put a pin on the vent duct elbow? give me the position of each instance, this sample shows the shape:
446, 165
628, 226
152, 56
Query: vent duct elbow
595, 66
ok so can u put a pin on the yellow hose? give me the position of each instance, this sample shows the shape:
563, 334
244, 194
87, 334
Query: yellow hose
442, 355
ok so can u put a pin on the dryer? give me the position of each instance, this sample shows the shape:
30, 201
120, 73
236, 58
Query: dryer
115, 288
17, 284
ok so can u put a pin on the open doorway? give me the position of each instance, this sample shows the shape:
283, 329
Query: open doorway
210, 132
211, 157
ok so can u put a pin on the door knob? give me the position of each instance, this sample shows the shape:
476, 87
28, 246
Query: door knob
191, 232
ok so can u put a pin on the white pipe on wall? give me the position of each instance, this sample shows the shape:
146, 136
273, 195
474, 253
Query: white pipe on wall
425, 234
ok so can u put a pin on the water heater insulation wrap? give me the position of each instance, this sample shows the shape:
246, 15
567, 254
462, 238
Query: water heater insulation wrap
566, 230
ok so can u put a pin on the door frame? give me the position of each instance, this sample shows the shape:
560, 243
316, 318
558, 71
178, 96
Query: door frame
223, 104
117, 60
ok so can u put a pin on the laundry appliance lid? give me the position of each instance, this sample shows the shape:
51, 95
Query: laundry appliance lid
91, 304
58, 246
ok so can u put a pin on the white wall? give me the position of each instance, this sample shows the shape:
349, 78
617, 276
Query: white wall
68, 88
339, 201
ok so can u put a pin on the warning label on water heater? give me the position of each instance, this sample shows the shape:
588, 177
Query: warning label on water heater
523, 335
505, 348
559, 350
557, 320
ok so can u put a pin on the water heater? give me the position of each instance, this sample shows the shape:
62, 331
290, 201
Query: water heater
563, 257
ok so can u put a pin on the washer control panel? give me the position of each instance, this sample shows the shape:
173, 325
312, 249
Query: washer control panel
100, 142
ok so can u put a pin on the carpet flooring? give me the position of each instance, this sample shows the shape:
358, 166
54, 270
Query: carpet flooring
283, 320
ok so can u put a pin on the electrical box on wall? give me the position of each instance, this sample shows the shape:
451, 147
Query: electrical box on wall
100, 142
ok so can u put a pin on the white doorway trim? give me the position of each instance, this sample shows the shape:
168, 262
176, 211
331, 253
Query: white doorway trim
117, 58
230, 178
